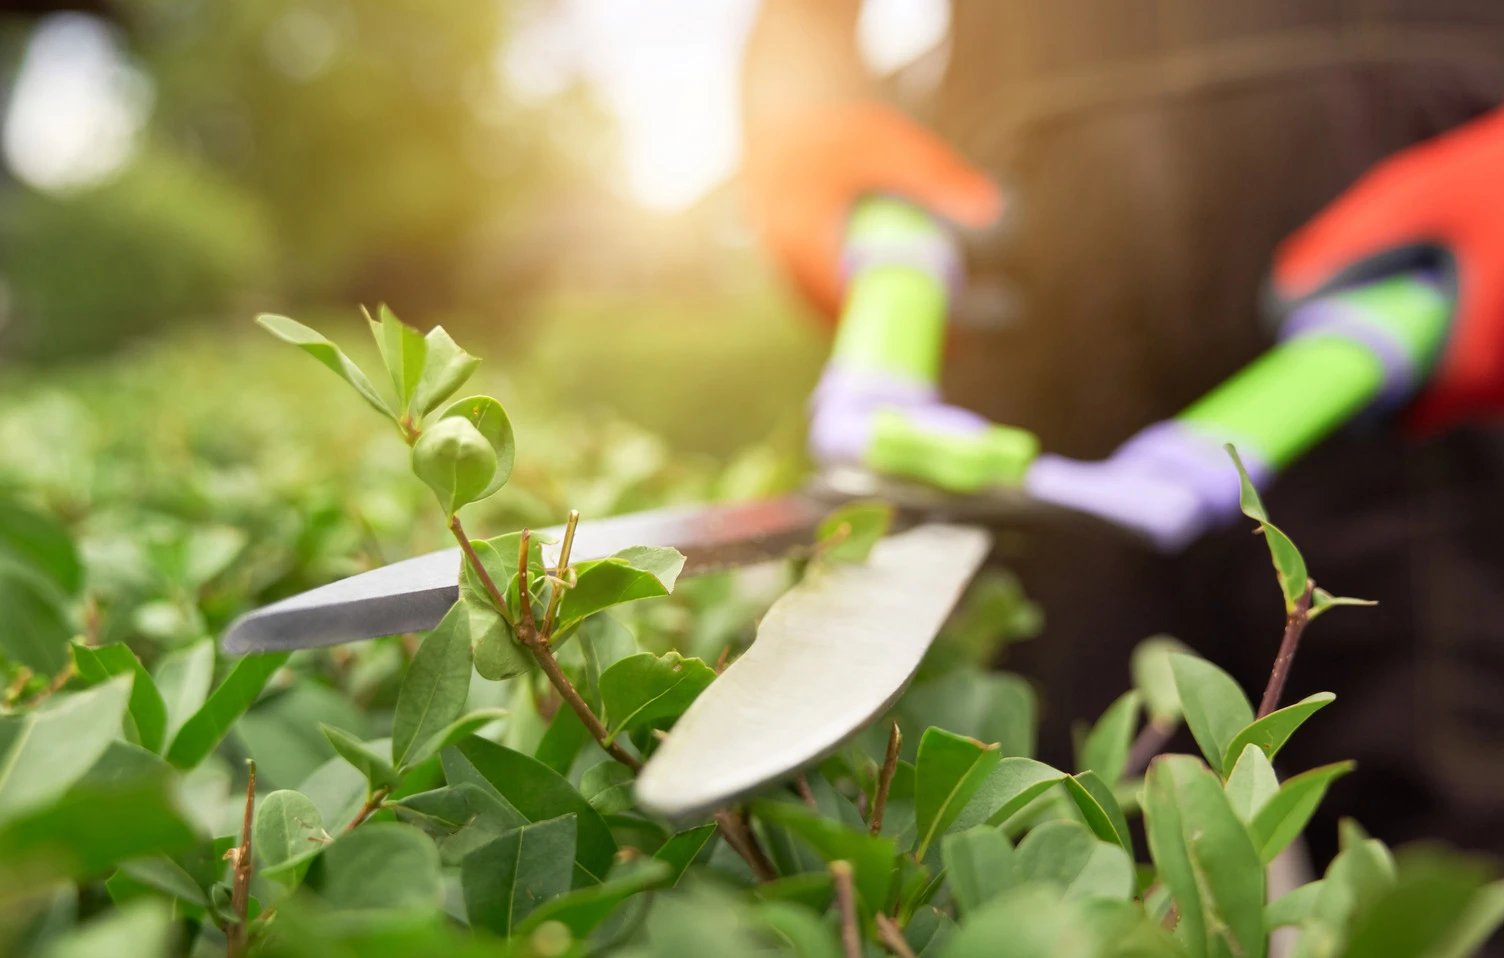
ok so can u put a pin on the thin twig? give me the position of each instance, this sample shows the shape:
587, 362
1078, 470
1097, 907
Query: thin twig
1151, 740
884, 780
1295, 624
801, 785
892, 936
240, 893
545, 656
17, 685
58, 681
851, 936
371, 807
557, 593
739, 836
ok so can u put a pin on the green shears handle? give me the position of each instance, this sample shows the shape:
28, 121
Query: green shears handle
1340, 354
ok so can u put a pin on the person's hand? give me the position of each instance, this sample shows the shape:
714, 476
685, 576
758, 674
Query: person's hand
805, 171
1168, 484
1439, 203
878, 403
897, 427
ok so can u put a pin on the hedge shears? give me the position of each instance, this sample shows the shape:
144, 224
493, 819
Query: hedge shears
831, 658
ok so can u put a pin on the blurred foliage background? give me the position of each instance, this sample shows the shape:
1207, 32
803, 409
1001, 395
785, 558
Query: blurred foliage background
173, 167
315, 154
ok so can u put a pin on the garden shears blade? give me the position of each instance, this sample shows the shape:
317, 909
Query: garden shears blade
412, 595
830, 657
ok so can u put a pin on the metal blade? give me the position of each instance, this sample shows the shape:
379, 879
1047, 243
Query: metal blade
413, 595
830, 657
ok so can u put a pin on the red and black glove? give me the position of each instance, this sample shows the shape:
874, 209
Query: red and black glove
805, 170
1440, 202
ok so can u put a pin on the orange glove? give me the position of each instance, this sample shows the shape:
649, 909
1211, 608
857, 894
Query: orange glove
804, 171
1439, 203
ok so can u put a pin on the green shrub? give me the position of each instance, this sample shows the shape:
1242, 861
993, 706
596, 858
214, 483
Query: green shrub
472, 793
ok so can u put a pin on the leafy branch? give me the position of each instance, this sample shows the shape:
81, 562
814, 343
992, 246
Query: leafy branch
464, 454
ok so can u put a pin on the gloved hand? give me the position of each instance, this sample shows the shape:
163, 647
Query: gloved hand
900, 427
878, 405
1439, 203
1363, 347
805, 172
1168, 483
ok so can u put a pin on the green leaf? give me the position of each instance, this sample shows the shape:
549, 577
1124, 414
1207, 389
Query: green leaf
404, 352
202, 732
603, 642
562, 741
498, 653
1482, 917
871, 858
1105, 750
1294, 907
1154, 678
929, 932
805, 934
1013, 784
1252, 783
1205, 858
1285, 815
444, 811
315, 345
849, 532
1357, 879
490, 420
90, 830
813, 890
147, 709
1215, 707
1068, 854
459, 818
461, 728
434, 690
366, 759
1100, 809
506, 879
949, 770
455, 461
1272, 731
640, 572
583, 909
681, 850
382, 865
988, 706
648, 690
166, 876
499, 557
1322, 600
537, 792
35, 540
139, 929
1424, 911
1289, 566
607, 786
184, 677
44, 752
37, 629
979, 866
446, 370
1028, 921
288, 833
209, 551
